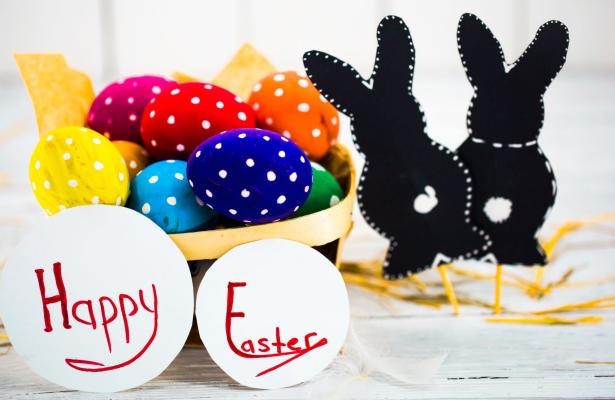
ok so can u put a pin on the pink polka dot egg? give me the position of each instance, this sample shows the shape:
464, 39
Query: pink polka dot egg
250, 175
182, 117
116, 111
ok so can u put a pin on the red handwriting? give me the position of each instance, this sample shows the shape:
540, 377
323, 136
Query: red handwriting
266, 347
60, 297
84, 312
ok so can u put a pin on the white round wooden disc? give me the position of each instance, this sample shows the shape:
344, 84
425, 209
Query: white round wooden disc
117, 292
272, 313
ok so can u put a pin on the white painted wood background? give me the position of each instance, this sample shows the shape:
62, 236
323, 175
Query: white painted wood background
484, 360
119, 37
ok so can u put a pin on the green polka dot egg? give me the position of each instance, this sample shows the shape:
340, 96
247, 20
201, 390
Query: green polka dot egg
73, 166
326, 192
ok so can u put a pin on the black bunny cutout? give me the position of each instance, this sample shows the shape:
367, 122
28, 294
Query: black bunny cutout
413, 191
514, 183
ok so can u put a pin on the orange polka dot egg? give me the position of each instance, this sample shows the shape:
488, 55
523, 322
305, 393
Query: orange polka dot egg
288, 103
135, 156
182, 117
73, 166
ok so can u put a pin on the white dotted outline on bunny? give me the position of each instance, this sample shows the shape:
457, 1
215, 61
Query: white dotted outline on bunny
507, 68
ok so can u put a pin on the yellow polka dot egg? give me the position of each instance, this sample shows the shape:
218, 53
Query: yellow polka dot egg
73, 166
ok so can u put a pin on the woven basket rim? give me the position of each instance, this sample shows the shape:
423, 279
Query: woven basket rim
314, 229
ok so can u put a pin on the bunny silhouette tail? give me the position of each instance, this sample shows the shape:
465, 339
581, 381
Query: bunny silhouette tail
413, 191
514, 184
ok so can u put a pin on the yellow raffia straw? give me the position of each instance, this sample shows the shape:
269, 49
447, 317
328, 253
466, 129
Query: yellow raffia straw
534, 289
367, 276
536, 318
542, 291
381, 287
586, 305
595, 362
448, 287
373, 270
589, 282
541, 317
518, 281
514, 280
497, 305
396, 289
550, 244
546, 320
418, 282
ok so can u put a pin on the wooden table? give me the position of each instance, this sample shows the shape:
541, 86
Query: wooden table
483, 360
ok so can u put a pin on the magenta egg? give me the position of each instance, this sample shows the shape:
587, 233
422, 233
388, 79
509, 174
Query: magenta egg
116, 111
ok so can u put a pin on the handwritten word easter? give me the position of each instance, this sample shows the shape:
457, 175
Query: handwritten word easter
84, 312
266, 347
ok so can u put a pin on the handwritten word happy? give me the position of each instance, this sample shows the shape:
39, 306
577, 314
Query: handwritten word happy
101, 312
266, 347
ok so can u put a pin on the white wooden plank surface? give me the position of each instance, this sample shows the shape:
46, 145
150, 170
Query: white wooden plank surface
484, 360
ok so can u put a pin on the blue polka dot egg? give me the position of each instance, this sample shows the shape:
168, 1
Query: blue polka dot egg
161, 193
250, 175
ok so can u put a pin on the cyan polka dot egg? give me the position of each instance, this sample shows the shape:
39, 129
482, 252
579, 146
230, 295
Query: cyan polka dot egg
181, 118
161, 193
326, 192
116, 111
250, 175
74, 166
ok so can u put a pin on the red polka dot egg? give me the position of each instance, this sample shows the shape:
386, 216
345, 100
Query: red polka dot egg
181, 118
288, 103
116, 111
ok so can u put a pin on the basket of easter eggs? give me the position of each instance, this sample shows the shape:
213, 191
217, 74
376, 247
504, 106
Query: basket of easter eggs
250, 155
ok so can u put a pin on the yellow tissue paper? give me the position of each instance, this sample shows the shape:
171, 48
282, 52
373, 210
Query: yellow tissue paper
183, 78
61, 95
247, 67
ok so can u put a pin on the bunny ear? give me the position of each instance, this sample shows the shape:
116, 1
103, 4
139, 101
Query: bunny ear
394, 66
336, 80
544, 57
481, 53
